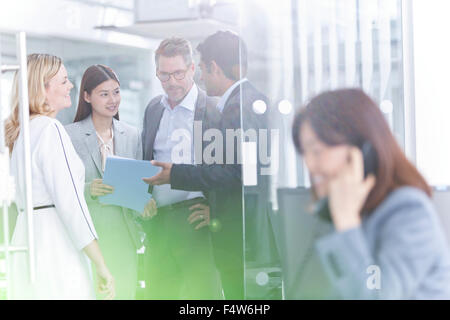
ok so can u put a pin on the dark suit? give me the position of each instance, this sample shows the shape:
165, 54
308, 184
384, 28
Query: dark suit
178, 258
224, 183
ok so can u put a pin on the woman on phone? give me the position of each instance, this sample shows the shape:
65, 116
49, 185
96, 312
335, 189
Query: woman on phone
96, 134
387, 241
64, 235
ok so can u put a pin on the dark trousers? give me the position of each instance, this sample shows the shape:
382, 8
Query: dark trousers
229, 258
178, 259
232, 279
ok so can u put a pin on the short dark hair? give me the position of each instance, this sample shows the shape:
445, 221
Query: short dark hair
227, 49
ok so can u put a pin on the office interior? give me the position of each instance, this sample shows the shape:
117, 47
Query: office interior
395, 50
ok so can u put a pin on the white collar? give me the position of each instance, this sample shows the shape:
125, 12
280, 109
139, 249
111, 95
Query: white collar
101, 139
227, 94
188, 102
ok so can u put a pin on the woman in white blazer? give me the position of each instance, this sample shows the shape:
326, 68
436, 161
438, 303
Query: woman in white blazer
64, 235
96, 134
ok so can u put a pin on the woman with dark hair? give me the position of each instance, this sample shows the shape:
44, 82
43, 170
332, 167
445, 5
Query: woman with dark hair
96, 134
387, 242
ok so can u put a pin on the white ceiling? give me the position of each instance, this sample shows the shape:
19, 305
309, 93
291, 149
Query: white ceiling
118, 4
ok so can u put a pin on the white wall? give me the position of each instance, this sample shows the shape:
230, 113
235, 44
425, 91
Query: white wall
431, 25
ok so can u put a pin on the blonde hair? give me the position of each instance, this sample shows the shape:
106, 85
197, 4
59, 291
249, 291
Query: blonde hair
41, 68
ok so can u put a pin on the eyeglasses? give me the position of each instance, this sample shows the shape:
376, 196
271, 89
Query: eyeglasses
178, 75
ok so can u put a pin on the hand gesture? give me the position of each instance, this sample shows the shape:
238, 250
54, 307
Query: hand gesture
100, 189
200, 212
349, 191
150, 210
162, 177
105, 283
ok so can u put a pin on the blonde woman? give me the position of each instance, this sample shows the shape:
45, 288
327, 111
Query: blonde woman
64, 235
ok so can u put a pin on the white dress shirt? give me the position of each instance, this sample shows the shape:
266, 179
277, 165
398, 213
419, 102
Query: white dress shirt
226, 95
176, 127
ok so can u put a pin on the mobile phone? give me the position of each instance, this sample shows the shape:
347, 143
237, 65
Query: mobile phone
322, 208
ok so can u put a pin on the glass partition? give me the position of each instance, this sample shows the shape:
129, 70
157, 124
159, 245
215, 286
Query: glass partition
297, 49
134, 67
291, 50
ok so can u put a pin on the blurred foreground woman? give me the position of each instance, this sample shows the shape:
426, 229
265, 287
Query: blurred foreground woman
64, 235
387, 241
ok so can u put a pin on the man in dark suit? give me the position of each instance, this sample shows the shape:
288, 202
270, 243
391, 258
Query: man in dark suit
178, 257
223, 64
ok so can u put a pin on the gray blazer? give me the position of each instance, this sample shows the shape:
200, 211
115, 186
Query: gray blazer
127, 144
403, 239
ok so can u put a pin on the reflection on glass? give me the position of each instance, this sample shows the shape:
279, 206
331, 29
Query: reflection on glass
133, 66
298, 49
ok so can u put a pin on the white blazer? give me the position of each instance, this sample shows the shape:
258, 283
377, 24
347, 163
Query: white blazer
60, 233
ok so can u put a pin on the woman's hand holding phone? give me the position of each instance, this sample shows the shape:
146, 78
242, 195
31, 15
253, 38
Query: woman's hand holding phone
348, 192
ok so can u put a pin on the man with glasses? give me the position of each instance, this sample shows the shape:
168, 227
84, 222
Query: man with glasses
178, 258
223, 64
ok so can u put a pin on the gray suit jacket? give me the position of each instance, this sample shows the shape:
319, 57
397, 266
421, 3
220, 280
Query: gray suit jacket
401, 244
127, 144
